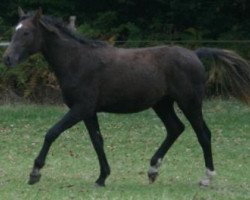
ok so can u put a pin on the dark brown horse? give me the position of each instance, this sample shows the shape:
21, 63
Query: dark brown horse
95, 77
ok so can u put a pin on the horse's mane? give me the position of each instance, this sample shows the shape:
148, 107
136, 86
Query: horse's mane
60, 25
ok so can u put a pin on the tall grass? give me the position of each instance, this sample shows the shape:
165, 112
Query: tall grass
130, 141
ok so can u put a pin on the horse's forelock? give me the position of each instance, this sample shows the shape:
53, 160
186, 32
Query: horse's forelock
27, 16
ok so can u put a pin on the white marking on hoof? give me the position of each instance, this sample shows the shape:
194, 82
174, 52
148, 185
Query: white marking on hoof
210, 173
36, 171
19, 26
209, 176
155, 168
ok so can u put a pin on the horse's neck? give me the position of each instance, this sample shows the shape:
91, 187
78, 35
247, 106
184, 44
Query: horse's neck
52, 49
67, 59
58, 52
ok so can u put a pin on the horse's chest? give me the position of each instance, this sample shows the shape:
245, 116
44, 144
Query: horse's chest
77, 95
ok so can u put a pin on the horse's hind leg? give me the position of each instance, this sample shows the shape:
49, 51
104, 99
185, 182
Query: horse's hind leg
193, 112
165, 111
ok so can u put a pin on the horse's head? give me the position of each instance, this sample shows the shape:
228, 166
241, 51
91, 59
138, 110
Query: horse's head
26, 39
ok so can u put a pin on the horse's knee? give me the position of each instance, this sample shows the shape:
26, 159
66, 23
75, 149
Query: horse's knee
51, 136
175, 130
100, 139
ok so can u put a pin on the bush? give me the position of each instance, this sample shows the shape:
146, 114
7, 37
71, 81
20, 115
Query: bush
31, 81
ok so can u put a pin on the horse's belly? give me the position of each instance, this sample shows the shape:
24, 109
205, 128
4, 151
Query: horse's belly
129, 103
132, 90
125, 107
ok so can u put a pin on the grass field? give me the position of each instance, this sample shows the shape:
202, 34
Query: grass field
130, 141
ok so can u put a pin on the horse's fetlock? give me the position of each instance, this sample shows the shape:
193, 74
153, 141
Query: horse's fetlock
108, 171
209, 176
105, 172
156, 162
38, 164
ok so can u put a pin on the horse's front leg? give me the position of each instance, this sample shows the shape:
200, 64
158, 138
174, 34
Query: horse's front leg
70, 119
97, 141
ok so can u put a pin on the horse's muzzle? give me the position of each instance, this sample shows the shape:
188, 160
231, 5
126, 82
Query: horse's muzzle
10, 61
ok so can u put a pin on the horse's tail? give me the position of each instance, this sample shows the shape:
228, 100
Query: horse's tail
228, 70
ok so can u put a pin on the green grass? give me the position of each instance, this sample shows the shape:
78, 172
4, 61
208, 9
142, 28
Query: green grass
130, 141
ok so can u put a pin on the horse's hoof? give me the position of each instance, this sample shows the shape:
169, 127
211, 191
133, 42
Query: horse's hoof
34, 178
152, 177
98, 185
204, 183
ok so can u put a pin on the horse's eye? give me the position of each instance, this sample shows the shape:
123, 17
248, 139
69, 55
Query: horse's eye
26, 33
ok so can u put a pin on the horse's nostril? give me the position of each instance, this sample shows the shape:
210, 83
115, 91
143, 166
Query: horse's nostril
7, 61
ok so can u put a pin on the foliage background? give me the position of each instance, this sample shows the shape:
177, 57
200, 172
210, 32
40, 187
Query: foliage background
145, 19
127, 23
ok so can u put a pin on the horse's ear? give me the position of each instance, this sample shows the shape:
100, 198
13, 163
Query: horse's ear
38, 15
21, 13
48, 27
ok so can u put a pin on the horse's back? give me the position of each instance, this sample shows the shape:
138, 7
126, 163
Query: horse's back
135, 79
165, 59
180, 67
